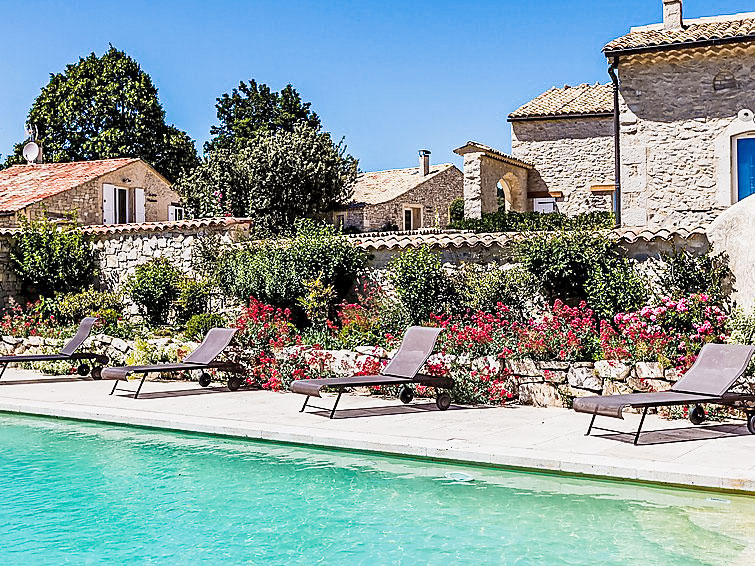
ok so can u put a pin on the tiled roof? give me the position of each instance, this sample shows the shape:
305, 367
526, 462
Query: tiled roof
377, 187
448, 239
22, 185
169, 226
697, 32
473, 146
566, 102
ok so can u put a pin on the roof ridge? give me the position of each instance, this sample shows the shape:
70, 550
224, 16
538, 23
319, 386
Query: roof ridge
404, 168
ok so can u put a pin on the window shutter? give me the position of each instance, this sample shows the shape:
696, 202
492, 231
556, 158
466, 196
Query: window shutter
108, 204
171, 212
139, 215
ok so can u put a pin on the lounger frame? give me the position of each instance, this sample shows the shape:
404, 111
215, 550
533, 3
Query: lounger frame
67, 353
708, 381
203, 358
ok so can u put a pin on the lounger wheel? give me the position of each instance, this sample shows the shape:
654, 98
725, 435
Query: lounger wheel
96, 373
697, 415
205, 379
83, 370
234, 383
443, 401
751, 422
406, 395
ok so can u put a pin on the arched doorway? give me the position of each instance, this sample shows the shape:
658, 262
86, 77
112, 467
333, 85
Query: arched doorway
503, 193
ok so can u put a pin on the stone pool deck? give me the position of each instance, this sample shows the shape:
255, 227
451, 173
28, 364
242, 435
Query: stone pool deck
715, 455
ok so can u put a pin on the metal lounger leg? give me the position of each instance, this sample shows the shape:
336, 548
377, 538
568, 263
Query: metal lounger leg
5, 366
639, 428
144, 376
115, 386
333, 411
305, 404
592, 422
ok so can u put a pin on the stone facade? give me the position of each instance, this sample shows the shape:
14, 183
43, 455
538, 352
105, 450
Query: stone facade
571, 157
433, 196
680, 113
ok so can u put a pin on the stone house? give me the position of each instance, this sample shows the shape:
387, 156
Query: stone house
109, 191
680, 104
402, 199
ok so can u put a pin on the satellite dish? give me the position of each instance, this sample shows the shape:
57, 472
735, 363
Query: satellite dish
31, 152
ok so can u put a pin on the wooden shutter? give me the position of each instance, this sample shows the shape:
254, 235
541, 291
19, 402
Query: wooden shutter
171, 212
139, 215
108, 204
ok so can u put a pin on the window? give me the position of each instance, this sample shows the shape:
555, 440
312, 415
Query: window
412, 217
175, 213
744, 159
116, 204
339, 219
544, 205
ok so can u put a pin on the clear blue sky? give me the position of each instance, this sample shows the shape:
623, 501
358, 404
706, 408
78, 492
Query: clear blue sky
392, 76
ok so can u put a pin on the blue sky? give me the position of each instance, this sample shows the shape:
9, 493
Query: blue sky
391, 76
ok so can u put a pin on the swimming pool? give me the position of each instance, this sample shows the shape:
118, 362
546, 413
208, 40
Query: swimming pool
88, 493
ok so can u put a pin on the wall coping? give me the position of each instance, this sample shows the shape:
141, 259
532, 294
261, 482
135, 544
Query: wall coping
167, 226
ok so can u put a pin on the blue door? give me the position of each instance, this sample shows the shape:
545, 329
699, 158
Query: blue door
745, 167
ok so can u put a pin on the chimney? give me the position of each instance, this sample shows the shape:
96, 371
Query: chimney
424, 162
672, 14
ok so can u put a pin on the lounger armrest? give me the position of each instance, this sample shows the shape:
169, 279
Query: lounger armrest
309, 387
599, 405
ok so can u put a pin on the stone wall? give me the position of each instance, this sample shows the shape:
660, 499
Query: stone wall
679, 112
434, 196
120, 248
482, 173
570, 155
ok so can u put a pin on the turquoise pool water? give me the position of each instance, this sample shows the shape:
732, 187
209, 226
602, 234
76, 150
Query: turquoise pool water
86, 493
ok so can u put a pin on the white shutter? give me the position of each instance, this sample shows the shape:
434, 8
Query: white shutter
171, 212
139, 206
108, 204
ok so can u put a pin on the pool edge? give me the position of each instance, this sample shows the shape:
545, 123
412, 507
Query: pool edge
516, 459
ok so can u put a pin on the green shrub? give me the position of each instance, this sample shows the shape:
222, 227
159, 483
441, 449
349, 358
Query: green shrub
512, 221
154, 287
456, 210
421, 283
481, 288
193, 298
52, 258
683, 274
582, 265
276, 271
199, 324
72, 307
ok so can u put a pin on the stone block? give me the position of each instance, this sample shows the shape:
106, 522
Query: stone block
584, 377
552, 366
612, 369
540, 395
648, 370
613, 387
524, 367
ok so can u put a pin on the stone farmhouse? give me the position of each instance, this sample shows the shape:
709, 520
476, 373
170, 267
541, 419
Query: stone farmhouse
402, 199
110, 191
669, 142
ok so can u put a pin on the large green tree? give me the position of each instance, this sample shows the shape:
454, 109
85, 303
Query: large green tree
105, 107
253, 108
277, 177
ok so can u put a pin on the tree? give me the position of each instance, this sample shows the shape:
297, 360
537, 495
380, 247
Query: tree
105, 107
278, 177
253, 108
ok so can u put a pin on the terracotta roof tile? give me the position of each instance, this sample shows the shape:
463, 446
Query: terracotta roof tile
584, 99
168, 226
376, 187
477, 147
22, 185
738, 27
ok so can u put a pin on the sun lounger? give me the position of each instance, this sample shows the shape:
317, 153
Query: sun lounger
68, 353
203, 358
709, 380
402, 370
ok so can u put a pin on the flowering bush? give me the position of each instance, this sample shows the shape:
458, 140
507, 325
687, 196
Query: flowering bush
671, 332
30, 320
